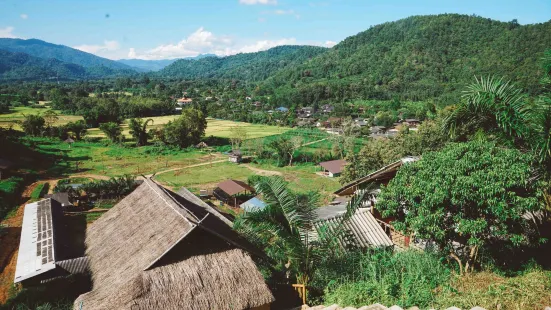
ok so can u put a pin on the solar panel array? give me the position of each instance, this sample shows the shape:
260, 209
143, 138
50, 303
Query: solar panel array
44, 241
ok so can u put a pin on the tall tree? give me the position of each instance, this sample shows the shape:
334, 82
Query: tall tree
186, 130
78, 128
33, 124
138, 130
466, 199
112, 130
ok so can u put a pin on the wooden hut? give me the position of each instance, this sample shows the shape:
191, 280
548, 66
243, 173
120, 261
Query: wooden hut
333, 168
235, 156
160, 250
228, 191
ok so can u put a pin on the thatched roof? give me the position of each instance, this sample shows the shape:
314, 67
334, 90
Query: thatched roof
158, 250
334, 166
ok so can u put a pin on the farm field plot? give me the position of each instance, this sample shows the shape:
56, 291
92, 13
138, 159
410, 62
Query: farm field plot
301, 177
116, 160
215, 127
17, 114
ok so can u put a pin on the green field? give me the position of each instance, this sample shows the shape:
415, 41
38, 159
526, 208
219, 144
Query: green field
300, 177
215, 127
17, 114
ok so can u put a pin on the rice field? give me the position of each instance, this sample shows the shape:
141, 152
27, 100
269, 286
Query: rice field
215, 127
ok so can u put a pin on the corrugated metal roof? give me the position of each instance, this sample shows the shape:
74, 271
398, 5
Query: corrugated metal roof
362, 226
77, 265
36, 247
252, 204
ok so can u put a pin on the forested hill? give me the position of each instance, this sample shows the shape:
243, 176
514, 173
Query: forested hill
41, 49
417, 58
21, 67
246, 67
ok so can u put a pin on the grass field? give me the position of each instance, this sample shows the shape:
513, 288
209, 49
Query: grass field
215, 127
17, 115
301, 177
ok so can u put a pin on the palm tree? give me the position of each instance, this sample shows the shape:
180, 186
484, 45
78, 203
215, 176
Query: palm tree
138, 130
285, 229
493, 106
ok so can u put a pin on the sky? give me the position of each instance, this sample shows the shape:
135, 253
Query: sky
166, 29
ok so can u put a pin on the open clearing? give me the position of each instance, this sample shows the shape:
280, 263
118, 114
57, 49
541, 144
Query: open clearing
215, 127
301, 177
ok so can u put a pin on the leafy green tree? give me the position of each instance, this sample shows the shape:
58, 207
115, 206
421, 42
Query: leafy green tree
138, 130
385, 119
284, 148
186, 130
78, 128
33, 124
466, 199
112, 130
284, 229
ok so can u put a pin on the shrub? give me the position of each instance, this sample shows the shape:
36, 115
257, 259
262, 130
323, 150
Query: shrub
406, 279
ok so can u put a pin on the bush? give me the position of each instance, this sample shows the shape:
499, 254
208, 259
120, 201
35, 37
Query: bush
10, 190
406, 279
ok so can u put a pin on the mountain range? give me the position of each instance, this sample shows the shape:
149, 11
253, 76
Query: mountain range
414, 58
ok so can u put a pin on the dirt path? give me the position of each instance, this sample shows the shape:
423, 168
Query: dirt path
262, 171
309, 143
10, 245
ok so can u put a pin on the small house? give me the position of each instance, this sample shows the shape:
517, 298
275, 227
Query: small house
232, 191
412, 122
184, 101
40, 257
305, 112
282, 109
327, 109
235, 156
257, 104
333, 168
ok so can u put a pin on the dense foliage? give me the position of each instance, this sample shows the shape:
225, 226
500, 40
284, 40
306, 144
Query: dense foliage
466, 198
417, 58
245, 67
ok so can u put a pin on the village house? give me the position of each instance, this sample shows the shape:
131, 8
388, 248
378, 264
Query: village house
235, 156
41, 257
257, 104
253, 204
333, 168
160, 250
184, 101
327, 109
305, 112
233, 192
282, 109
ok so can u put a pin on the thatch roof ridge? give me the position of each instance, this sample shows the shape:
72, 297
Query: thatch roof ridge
224, 280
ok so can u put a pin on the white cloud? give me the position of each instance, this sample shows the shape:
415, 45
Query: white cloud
24, 16
253, 2
109, 49
330, 43
261, 19
98, 49
205, 42
7, 32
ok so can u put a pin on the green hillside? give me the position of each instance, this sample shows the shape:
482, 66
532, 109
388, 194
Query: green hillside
247, 67
21, 67
417, 58
41, 49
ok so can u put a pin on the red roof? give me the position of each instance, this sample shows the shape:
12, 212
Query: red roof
232, 187
334, 166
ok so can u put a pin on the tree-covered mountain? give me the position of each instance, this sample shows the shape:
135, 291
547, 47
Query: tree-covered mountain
156, 65
247, 67
417, 58
41, 49
21, 66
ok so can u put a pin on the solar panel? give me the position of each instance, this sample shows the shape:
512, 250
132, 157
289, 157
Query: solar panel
36, 249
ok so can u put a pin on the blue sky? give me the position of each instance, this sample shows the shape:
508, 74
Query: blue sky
180, 28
